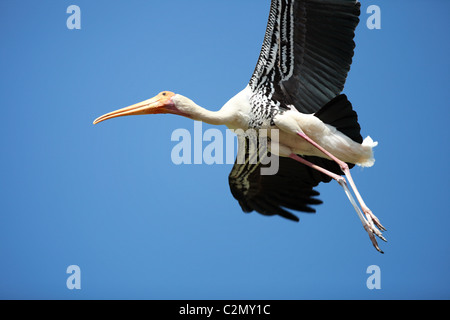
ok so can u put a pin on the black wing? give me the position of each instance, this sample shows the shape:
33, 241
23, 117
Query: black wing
307, 51
290, 188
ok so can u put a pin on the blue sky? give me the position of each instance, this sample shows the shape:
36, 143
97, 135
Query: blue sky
109, 199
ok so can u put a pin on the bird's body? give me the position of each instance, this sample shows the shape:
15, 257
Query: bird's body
237, 114
296, 91
291, 121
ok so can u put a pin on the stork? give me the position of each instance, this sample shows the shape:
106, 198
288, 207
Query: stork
295, 89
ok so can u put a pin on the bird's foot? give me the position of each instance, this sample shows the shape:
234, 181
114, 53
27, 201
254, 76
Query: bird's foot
373, 227
371, 217
374, 223
368, 219
372, 233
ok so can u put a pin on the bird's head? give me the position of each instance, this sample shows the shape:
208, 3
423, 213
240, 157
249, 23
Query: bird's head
164, 102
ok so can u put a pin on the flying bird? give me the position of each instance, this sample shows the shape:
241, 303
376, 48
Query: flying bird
296, 90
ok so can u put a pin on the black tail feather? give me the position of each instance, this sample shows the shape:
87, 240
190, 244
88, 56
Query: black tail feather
340, 114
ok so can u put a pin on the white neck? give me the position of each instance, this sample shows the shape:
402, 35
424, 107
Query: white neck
211, 117
230, 115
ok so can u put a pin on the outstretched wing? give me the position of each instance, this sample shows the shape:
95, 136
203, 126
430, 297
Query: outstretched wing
307, 51
304, 62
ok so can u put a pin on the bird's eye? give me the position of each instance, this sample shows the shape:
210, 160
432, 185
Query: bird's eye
164, 93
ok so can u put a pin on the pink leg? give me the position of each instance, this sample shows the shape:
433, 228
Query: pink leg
346, 170
343, 183
372, 219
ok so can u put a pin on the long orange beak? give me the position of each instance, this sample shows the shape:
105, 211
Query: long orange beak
162, 103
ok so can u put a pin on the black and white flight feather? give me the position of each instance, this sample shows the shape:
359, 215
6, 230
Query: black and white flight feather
305, 58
